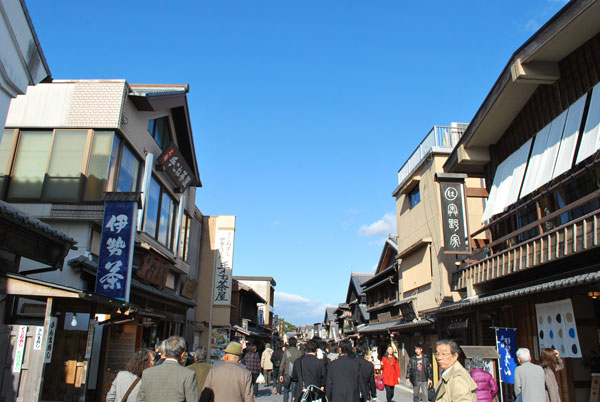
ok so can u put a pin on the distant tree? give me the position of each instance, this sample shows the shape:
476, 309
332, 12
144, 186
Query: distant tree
288, 327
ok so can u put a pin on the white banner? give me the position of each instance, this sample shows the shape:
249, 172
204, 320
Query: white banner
19, 349
557, 328
223, 266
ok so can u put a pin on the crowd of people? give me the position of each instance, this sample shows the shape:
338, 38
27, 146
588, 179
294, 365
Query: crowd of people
318, 370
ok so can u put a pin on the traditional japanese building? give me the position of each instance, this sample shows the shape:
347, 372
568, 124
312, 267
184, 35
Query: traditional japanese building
535, 140
72, 146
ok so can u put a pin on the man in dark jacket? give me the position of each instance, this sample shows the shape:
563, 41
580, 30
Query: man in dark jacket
309, 370
367, 377
290, 355
276, 360
419, 373
343, 376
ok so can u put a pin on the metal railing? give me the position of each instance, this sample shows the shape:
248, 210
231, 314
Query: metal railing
444, 137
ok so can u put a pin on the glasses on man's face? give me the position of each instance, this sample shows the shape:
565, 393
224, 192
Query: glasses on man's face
444, 354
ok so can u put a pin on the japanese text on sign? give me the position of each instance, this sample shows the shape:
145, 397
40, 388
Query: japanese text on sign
454, 221
176, 167
116, 250
50, 344
224, 267
20, 349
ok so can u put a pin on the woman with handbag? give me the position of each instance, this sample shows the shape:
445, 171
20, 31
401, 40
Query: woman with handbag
391, 373
126, 385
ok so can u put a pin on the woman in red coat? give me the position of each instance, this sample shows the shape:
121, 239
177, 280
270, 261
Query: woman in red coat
391, 373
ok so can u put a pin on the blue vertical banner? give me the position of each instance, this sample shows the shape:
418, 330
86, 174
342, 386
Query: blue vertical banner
113, 278
506, 344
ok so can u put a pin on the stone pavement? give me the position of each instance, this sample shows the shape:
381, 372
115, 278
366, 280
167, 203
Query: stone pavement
402, 394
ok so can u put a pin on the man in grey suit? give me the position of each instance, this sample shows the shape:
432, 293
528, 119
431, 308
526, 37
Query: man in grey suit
228, 380
170, 381
529, 379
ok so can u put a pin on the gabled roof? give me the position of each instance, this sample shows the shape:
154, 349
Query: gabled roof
150, 97
329, 314
356, 281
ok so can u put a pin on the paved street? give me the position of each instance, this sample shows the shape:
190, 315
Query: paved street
402, 394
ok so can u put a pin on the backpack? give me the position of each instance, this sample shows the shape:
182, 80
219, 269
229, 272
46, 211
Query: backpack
290, 362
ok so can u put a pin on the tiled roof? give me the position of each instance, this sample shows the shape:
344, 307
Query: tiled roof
572, 281
10, 212
358, 278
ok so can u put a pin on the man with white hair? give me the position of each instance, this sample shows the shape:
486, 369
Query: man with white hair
529, 378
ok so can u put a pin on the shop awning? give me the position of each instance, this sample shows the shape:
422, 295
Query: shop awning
485, 352
378, 327
414, 324
18, 285
572, 281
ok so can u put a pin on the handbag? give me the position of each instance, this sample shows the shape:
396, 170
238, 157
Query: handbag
260, 379
379, 382
431, 394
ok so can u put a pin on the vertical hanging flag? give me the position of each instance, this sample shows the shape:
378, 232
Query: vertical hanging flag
557, 328
113, 278
224, 260
454, 214
506, 341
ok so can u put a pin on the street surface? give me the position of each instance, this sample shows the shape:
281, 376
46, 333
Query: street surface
402, 394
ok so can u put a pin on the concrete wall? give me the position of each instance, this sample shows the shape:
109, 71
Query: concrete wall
423, 221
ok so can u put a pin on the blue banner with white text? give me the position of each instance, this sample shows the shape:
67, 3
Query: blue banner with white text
113, 277
506, 344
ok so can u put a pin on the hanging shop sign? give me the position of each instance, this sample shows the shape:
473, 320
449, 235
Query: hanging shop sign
153, 270
223, 266
177, 168
113, 278
50, 343
19, 349
454, 218
38, 338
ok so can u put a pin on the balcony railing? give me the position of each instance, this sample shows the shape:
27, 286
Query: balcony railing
442, 137
571, 238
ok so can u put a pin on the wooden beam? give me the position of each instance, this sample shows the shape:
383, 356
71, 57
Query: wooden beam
16, 287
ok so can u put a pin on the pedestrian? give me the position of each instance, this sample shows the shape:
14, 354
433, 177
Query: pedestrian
551, 362
486, 384
276, 360
332, 350
367, 376
529, 378
169, 381
309, 374
266, 364
126, 385
455, 382
252, 363
200, 368
228, 380
290, 355
343, 376
160, 355
391, 373
419, 373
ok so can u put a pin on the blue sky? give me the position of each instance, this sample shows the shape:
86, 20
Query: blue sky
302, 111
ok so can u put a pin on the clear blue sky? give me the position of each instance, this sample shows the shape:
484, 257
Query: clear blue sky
302, 111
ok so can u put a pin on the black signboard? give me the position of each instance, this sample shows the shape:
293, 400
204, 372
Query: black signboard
454, 220
176, 167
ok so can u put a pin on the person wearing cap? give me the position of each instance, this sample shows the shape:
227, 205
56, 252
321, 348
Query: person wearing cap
228, 381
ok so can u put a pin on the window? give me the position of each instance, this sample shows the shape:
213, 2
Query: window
5, 158
30, 164
159, 130
63, 181
160, 209
415, 196
105, 149
128, 171
184, 237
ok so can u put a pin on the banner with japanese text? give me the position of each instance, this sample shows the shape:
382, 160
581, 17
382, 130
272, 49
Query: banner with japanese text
113, 278
224, 260
454, 220
506, 344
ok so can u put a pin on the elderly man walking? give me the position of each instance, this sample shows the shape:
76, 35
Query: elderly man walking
229, 381
529, 378
170, 381
455, 383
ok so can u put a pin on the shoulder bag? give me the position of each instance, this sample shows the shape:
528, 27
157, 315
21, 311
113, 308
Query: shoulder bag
130, 390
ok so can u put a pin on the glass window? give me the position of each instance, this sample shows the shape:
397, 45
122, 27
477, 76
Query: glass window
128, 171
65, 167
100, 163
165, 220
152, 207
112, 175
159, 130
30, 164
415, 196
184, 235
